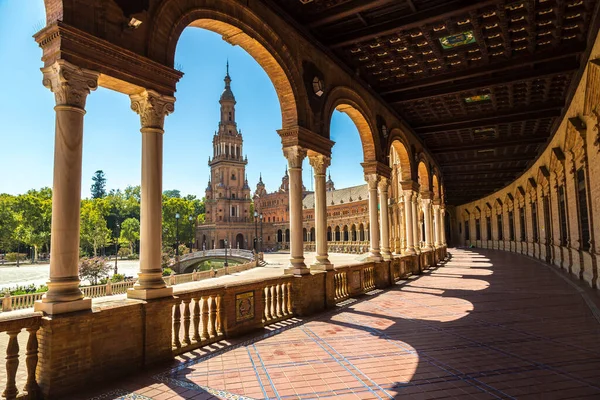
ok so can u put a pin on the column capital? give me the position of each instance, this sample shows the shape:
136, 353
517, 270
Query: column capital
152, 107
295, 155
319, 162
384, 184
69, 83
372, 180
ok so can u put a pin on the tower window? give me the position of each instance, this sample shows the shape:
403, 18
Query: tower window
233, 177
230, 118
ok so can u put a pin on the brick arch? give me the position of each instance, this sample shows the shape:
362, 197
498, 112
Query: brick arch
346, 100
398, 148
424, 176
238, 26
435, 185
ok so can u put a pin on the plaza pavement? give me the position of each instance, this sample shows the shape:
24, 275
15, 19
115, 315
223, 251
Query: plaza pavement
486, 325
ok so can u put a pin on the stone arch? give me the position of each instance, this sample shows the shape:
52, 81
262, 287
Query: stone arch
346, 100
400, 157
329, 234
345, 231
337, 234
435, 186
424, 177
239, 26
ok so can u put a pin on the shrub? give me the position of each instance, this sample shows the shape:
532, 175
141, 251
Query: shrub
93, 269
133, 257
117, 278
12, 257
124, 252
167, 271
166, 260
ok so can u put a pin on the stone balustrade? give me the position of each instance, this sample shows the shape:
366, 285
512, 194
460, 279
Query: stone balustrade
13, 325
348, 247
143, 333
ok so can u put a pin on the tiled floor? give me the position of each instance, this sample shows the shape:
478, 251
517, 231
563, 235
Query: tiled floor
486, 325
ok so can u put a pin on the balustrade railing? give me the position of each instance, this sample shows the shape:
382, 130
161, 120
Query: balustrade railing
277, 301
369, 283
350, 247
20, 382
340, 281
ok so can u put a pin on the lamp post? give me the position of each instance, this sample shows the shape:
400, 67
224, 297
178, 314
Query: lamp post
177, 216
255, 231
116, 247
191, 219
226, 265
261, 234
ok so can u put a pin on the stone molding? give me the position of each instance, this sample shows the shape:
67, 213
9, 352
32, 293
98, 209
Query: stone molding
152, 107
319, 162
309, 140
69, 83
295, 155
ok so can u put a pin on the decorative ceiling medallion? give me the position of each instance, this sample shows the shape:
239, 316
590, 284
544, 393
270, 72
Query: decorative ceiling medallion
460, 39
477, 98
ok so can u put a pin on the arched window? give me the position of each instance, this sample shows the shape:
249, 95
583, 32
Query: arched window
230, 117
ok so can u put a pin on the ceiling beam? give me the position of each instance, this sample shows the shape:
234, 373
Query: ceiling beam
345, 10
568, 65
423, 17
485, 160
509, 170
504, 118
488, 144
453, 179
486, 70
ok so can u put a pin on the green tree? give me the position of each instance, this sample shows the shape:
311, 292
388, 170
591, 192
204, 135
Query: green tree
185, 208
130, 232
8, 221
93, 269
33, 213
99, 185
174, 193
94, 232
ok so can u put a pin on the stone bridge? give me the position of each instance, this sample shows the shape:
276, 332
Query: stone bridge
189, 260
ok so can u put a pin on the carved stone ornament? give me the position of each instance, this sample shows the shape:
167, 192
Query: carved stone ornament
295, 155
384, 184
152, 108
69, 83
372, 180
320, 163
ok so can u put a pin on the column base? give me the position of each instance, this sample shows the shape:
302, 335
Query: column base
297, 270
386, 255
149, 294
63, 307
374, 256
322, 266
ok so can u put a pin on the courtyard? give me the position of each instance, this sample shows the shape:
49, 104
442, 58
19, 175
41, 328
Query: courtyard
484, 325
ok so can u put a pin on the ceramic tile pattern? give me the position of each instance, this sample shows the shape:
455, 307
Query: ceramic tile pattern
486, 325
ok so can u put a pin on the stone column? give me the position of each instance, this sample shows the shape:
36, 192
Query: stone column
408, 222
443, 225
372, 181
427, 222
416, 227
436, 225
384, 215
295, 155
152, 108
70, 86
320, 163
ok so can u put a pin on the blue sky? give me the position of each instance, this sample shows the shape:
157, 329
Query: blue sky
112, 140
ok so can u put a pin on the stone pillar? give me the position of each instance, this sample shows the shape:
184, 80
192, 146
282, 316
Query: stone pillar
427, 221
416, 227
436, 226
152, 108
408, 221
384, 215
372, 181
70, 86
295, 155
320, 163
443, 225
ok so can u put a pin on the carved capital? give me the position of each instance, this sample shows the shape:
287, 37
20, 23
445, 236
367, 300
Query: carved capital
295, 155
152, 108
383, 184
69, 83
320, 163
372, 180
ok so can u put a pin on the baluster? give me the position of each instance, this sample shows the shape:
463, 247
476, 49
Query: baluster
278, 293
336, 286
283, 300
273, 301
219, 326
267, 308
186, 322
344, 285
31, 360
289, 298
12, 363
204, 334
196, 320
213, 317
176, 325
